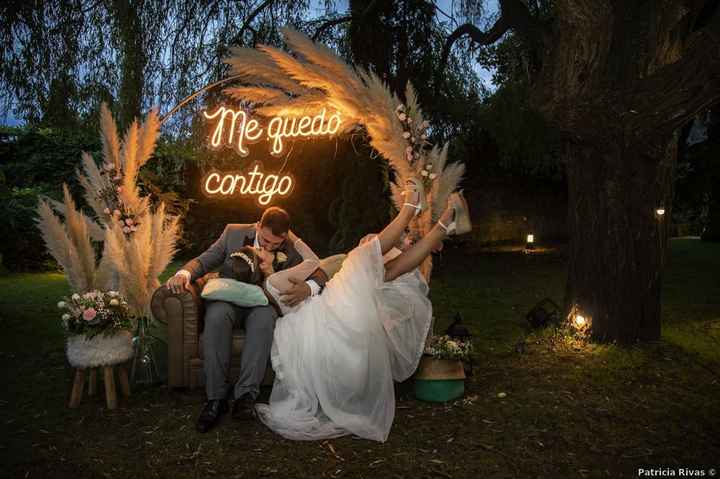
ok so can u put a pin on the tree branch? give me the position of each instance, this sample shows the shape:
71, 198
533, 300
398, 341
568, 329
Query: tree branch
514, 14
248, 21
329, 24
337, 21
664, 101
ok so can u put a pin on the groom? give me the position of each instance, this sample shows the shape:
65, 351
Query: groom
270, 234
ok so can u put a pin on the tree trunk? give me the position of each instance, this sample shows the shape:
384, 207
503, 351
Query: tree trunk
133, 60
618, 241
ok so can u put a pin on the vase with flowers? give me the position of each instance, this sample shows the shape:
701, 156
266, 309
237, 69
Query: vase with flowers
441, 374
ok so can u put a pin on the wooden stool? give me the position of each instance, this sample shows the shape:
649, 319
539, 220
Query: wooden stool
110, 394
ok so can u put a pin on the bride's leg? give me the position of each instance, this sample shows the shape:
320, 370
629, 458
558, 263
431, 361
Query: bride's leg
281, 279
392, 233
413, 257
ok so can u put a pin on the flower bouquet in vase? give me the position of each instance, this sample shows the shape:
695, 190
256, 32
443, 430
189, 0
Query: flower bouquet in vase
441, 375
99, 329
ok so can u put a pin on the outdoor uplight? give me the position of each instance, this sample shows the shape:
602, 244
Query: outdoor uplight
580, 321
660, 212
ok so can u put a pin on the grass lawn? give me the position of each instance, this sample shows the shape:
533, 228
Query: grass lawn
569, 410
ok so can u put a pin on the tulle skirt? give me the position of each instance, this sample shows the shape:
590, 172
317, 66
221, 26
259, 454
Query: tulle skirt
336, 357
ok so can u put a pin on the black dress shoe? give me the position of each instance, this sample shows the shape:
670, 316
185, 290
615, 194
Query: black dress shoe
210, 414
243, 408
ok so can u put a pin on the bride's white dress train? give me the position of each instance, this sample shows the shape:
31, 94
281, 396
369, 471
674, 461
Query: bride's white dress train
335, 358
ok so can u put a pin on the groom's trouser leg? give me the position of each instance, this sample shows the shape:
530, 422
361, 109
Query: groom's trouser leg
217, 345
259, 327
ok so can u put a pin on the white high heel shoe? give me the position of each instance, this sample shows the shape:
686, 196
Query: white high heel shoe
461, 216
414, 185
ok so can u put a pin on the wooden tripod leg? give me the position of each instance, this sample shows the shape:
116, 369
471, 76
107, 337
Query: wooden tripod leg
124, 383
92, 383
77, 390
110, 394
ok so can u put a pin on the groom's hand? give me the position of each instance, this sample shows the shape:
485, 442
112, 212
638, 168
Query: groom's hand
299, 292
177, 283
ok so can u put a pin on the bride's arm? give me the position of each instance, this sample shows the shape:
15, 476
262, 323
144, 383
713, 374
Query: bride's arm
281, 280
305, 251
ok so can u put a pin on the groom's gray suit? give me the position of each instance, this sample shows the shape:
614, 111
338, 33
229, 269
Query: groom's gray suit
221, 316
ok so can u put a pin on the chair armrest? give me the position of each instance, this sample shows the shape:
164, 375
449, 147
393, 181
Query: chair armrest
183, 315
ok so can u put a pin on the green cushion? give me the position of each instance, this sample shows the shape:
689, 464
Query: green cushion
232, 291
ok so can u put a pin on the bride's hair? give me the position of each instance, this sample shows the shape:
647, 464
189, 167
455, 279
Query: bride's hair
246, 266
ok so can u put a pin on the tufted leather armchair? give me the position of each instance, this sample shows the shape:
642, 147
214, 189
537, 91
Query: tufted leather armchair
183, 313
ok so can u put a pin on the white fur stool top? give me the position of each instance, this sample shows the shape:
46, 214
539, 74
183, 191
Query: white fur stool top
100, 350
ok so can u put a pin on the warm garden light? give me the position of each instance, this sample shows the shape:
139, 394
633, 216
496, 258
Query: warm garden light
530, 241
580, 321
660, 211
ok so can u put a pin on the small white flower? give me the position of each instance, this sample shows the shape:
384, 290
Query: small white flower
126, 230
502, 395
61, 304
66, 317
76, 297
406, 135
433, 176
424, 172
402, 116
114, 302
106, 211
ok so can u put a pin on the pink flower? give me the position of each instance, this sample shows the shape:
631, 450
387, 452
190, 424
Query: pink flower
89, 314
129, 221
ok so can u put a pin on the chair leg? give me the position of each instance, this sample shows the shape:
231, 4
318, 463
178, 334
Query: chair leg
110, 395
77, 389
92, 382
124, 383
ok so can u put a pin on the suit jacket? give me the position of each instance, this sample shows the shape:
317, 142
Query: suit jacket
234, 237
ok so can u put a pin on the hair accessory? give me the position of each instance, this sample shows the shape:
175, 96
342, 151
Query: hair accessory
246, 258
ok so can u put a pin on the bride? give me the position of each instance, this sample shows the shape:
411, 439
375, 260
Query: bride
336, 355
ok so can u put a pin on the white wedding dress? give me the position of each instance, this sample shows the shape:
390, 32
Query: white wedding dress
336, 356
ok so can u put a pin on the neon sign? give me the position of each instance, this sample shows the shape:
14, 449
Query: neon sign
253, 182
235, 128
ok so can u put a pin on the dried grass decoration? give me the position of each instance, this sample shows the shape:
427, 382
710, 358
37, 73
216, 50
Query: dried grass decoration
311, 78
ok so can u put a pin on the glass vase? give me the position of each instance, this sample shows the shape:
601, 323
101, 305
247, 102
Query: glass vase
144, 368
